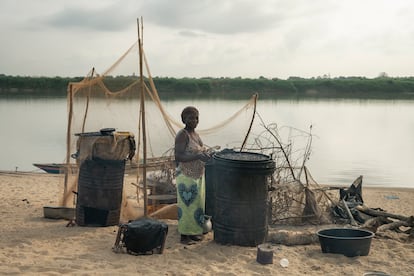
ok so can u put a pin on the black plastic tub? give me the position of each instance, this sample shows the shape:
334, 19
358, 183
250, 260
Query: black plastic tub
345, 241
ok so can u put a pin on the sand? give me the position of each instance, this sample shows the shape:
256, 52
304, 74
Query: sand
31, 244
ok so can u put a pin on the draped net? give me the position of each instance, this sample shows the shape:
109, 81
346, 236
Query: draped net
112, 99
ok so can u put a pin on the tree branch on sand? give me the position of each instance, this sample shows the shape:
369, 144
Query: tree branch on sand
295, 197
386, 221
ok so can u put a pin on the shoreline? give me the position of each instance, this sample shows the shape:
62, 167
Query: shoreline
379, 187
32, 244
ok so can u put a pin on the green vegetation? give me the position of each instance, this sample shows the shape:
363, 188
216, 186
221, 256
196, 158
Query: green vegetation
382, 87
42, 86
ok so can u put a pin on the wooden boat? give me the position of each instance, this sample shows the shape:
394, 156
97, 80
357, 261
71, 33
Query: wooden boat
153, 164
55, 168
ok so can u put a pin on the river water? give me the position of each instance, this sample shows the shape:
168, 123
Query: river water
373, 138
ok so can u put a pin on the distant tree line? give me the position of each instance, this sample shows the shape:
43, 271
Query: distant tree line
18, 85
293, 87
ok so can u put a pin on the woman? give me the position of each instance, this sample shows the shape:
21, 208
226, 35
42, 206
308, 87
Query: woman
190, 156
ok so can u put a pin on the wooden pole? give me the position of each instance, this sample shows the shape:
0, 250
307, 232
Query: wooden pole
68, 142
351, 217
142, 115
251, 122
87, 101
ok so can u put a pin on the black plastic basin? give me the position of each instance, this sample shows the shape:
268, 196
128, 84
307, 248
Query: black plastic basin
346, 241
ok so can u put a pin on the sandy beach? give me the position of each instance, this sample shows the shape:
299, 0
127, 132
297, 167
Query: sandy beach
33, 245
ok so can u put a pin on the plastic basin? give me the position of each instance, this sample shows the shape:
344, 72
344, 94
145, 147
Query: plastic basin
346, 241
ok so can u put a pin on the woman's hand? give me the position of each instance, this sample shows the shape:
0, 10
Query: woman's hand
204, 156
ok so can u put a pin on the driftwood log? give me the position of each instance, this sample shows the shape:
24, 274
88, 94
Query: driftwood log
382, 221
378, 213
373, 223
292, 237
351, 206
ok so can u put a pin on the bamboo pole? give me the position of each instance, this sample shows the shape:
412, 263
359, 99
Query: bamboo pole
251, 122
142, 115
68, 142
87, 101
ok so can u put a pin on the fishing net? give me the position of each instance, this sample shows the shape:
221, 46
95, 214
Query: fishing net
119, 100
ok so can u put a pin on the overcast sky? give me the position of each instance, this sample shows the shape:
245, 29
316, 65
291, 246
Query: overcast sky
210, 38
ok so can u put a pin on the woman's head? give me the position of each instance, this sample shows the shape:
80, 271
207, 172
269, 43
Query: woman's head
189, 116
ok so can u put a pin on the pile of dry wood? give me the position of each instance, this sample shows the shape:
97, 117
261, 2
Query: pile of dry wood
380, 221
352, 207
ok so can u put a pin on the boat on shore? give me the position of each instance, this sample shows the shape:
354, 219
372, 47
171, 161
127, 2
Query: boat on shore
55, 168
153, 164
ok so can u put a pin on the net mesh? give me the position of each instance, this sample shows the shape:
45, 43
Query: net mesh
112, 100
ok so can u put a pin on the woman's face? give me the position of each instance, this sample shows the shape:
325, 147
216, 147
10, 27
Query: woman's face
191, 120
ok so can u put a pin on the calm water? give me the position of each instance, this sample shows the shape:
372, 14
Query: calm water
351, 137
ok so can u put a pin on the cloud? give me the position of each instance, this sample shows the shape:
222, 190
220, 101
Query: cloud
102, 20
105, 18
210, 16
190, 34
272, 38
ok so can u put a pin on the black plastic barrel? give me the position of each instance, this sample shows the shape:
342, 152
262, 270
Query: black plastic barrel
100, 187
209, 181
241, 190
